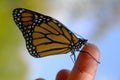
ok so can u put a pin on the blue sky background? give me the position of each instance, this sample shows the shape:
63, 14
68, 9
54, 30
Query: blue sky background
96, 20
108, 45
109, 58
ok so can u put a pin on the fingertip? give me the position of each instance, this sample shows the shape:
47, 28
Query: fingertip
62, 74
93, 50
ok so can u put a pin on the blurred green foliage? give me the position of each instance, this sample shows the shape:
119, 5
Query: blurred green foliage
12, 66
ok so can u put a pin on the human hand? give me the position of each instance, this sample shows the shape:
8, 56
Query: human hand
85, 66
85, 63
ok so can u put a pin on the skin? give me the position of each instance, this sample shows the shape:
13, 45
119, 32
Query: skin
85, 66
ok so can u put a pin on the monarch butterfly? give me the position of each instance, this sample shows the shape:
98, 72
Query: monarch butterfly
45, 35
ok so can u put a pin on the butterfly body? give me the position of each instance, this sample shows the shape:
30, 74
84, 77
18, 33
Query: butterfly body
44, 35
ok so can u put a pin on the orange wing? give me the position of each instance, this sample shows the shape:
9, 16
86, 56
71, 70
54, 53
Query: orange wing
44, 35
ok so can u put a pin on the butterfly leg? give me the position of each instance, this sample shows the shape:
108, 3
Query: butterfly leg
73, 58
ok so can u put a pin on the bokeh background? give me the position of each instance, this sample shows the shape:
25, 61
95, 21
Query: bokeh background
96, 20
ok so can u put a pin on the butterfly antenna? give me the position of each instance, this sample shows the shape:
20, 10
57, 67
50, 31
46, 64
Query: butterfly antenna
91, 56
78, 35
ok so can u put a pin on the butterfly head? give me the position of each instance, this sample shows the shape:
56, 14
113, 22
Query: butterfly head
80, 43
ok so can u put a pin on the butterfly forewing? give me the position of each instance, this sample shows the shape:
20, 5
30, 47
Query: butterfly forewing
44, 35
